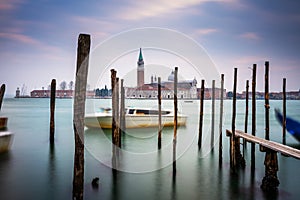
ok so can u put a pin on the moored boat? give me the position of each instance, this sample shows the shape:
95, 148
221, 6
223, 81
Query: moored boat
292, 126
3, 123
5, 140
135, 118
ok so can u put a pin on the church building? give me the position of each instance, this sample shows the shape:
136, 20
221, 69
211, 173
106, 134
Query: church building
186, 89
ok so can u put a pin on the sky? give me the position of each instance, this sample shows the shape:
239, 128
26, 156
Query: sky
38, 39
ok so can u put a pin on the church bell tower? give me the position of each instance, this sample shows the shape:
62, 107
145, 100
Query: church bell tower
140, 70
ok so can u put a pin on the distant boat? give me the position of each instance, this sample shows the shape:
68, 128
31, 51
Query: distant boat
134, 118
292, 126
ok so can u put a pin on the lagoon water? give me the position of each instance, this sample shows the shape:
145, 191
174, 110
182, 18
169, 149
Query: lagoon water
32, 169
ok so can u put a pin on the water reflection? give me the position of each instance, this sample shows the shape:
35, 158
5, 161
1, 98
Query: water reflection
52, 168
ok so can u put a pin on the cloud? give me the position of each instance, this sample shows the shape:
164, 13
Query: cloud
19, 38
207, 31
250, 36
94, 26
138, 10
8, 4
248, 60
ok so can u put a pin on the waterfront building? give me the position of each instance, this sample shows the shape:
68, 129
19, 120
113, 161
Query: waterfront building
186, 89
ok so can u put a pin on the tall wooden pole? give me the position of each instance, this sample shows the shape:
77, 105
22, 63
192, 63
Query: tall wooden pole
253, 116
246, 115
83, 52
212, 136
113, 98
221, 119
2, 91
114, 119
159, 113
267, 105
233, 149
122, 113
52, 110
117, 117
175, 120
201, 114
284, 112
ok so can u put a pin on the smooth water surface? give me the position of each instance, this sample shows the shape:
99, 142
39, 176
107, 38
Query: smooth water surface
33, 169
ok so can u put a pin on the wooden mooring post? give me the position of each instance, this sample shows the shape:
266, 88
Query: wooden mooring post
52, 110
159, 113
117, 116
284, 112
83, 52
122, 114
221, 120
236, 159
267, 105
201, 114
253, 116
212, 136
246, 116
2, 91
270, 182
115, 128
175, 120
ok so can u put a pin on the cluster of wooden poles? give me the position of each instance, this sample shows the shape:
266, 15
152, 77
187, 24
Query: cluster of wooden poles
270, 181
118, 122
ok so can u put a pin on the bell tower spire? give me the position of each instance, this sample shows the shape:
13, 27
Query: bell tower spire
140, 70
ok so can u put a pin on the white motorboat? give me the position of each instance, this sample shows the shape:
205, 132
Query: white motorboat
5, 140
6, 137
135, 118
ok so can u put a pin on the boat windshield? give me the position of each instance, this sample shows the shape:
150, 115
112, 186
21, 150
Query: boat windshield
151, 112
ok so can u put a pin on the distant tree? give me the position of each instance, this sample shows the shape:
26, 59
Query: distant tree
71, 84
63, 85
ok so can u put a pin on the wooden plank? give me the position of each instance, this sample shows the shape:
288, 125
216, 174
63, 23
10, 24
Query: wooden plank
289, 151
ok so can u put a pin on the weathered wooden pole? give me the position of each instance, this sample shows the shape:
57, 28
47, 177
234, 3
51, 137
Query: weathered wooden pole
212, 136
117, 130
284, 112
267, 105
253, 116
159, 112
52, 110
113, 103
233, 161
221, 119
270, 181
83, 51
114, 119
122, 113
2, 91
246, 116
201, 114
175, 120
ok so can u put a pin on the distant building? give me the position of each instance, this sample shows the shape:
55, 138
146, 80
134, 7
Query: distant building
58, 94
185, 89
18, 93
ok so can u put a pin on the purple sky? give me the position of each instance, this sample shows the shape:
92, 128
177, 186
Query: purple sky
39, 38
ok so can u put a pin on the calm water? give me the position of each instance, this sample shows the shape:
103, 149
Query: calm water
34, 170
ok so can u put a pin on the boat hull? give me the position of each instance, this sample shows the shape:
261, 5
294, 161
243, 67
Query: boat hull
5, 141
3, 123
134, 121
